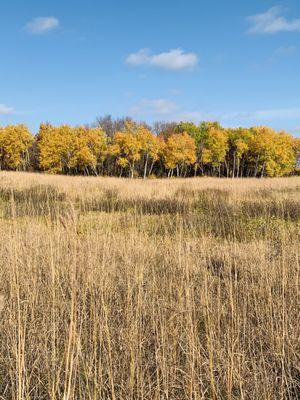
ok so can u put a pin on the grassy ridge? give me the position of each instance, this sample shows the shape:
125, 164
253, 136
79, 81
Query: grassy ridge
178, 289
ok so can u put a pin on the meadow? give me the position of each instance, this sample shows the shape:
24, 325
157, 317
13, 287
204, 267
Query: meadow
113, 288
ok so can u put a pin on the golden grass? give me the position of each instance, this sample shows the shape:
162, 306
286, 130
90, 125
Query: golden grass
158, 289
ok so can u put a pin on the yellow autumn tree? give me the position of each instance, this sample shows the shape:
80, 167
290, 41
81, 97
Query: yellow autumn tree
56, 146
238, 141
256, 151
89, 150
179, 152
72, 150
260, 147
296, 149
271, 153
150, 149
215, 147
283, 158
127, 147
15, 144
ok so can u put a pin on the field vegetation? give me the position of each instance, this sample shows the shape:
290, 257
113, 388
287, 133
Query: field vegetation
149, 289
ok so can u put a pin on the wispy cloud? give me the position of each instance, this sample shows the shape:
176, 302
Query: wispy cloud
174, 60
272, 21
296, 130
168, 110
41, 25
174, 92
195, 116
154, 107
4, 110
284, 51
270, 114
256, 115
172, 111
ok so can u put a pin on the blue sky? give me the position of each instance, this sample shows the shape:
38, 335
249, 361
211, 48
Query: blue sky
70, 61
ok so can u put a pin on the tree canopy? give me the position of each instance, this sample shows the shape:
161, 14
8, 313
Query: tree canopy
124, 147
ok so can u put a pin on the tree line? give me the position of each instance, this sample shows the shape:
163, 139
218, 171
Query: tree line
123, 147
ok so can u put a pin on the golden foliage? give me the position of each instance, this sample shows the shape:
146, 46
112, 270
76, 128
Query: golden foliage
179, 151
62, 149
215, 147
15, 143
134, 150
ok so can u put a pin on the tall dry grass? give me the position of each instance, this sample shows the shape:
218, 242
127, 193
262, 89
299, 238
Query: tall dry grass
164, 289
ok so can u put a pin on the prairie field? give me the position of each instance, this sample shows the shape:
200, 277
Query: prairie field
153, 289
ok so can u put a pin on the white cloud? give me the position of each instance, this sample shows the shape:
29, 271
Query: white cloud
4, 110
139, 58
174, 60
42, 25
272, 21
154, 107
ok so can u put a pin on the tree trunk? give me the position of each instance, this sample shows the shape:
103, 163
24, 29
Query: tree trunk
151, 168
263, 170
146, 165
95, 171
256, 167
131, 170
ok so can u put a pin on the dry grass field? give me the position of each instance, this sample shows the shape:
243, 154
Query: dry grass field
157, 289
